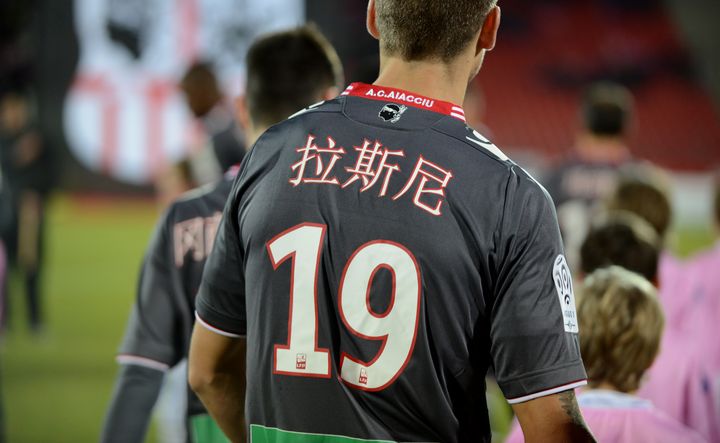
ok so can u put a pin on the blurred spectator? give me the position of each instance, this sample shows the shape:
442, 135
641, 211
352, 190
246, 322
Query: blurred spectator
579, 183
205, 100
27, 169
621, 324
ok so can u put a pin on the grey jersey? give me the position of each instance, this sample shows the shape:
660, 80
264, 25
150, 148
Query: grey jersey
161, 321
379, 256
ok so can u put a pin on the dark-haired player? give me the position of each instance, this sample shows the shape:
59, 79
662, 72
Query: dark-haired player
579, 183
377, 255
286, 72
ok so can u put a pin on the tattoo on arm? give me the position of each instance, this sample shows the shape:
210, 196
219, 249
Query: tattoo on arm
571, 408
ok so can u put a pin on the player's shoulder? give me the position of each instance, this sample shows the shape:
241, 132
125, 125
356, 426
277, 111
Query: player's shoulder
321, 107
479, 145
298, 122
491, 156
203, 201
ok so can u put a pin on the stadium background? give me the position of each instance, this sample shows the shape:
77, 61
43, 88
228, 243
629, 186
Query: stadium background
56, 386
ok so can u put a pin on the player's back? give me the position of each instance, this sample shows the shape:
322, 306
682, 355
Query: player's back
383, 250
160, 325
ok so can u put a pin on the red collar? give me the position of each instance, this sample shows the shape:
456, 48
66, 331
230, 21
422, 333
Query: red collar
383, 93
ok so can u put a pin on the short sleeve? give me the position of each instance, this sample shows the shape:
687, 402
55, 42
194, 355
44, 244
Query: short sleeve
154, 324
220, 304
534, 341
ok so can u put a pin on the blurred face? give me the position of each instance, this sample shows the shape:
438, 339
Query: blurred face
13, 113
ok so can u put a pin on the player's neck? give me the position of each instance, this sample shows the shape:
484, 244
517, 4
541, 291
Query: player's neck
441, 81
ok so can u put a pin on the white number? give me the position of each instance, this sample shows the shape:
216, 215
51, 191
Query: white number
301, 356
396, 327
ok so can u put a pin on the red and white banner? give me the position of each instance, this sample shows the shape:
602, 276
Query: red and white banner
124, 115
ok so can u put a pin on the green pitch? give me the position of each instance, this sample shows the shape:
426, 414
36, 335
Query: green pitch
56, 387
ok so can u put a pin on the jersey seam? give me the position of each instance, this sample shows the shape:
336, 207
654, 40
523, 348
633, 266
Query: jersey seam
506, 163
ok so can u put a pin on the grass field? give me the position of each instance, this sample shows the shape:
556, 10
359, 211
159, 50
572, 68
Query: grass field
56, 387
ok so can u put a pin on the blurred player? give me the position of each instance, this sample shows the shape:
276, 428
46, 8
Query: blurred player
375, 257
27, 168
622, 324
286, 72
205, 100
579, 184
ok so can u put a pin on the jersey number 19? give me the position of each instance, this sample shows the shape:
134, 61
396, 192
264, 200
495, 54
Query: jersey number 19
396, 327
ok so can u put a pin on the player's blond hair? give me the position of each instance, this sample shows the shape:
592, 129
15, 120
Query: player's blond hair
621, 323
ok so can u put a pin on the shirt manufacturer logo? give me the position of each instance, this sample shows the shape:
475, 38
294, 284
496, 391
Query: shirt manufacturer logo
392, 112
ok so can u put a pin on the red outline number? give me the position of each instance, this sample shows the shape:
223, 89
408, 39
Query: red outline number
396, 327
301, 356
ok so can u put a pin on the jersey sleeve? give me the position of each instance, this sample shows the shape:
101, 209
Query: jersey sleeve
534, 341
220, 304
151, 335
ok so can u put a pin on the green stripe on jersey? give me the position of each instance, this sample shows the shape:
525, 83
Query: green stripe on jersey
262, 434
204, 430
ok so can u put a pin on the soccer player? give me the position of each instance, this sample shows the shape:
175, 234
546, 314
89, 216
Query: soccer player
28, 170
286, 72
377, 255
622, 324
579, 184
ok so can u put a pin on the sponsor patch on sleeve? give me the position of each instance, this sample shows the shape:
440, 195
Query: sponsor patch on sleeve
564, 287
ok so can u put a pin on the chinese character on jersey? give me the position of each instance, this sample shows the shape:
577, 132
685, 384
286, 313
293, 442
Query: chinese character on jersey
367, 171
427, 174
313, 155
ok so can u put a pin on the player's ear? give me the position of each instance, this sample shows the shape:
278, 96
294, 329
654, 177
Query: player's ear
371, 20
241, 112
489, 30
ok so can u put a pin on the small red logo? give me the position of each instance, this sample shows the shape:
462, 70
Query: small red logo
301, 361
363, 376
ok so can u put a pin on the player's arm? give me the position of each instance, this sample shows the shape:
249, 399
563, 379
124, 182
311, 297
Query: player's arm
216, 372
216, 364
149, 347
134, 397
554, 418
534, 333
